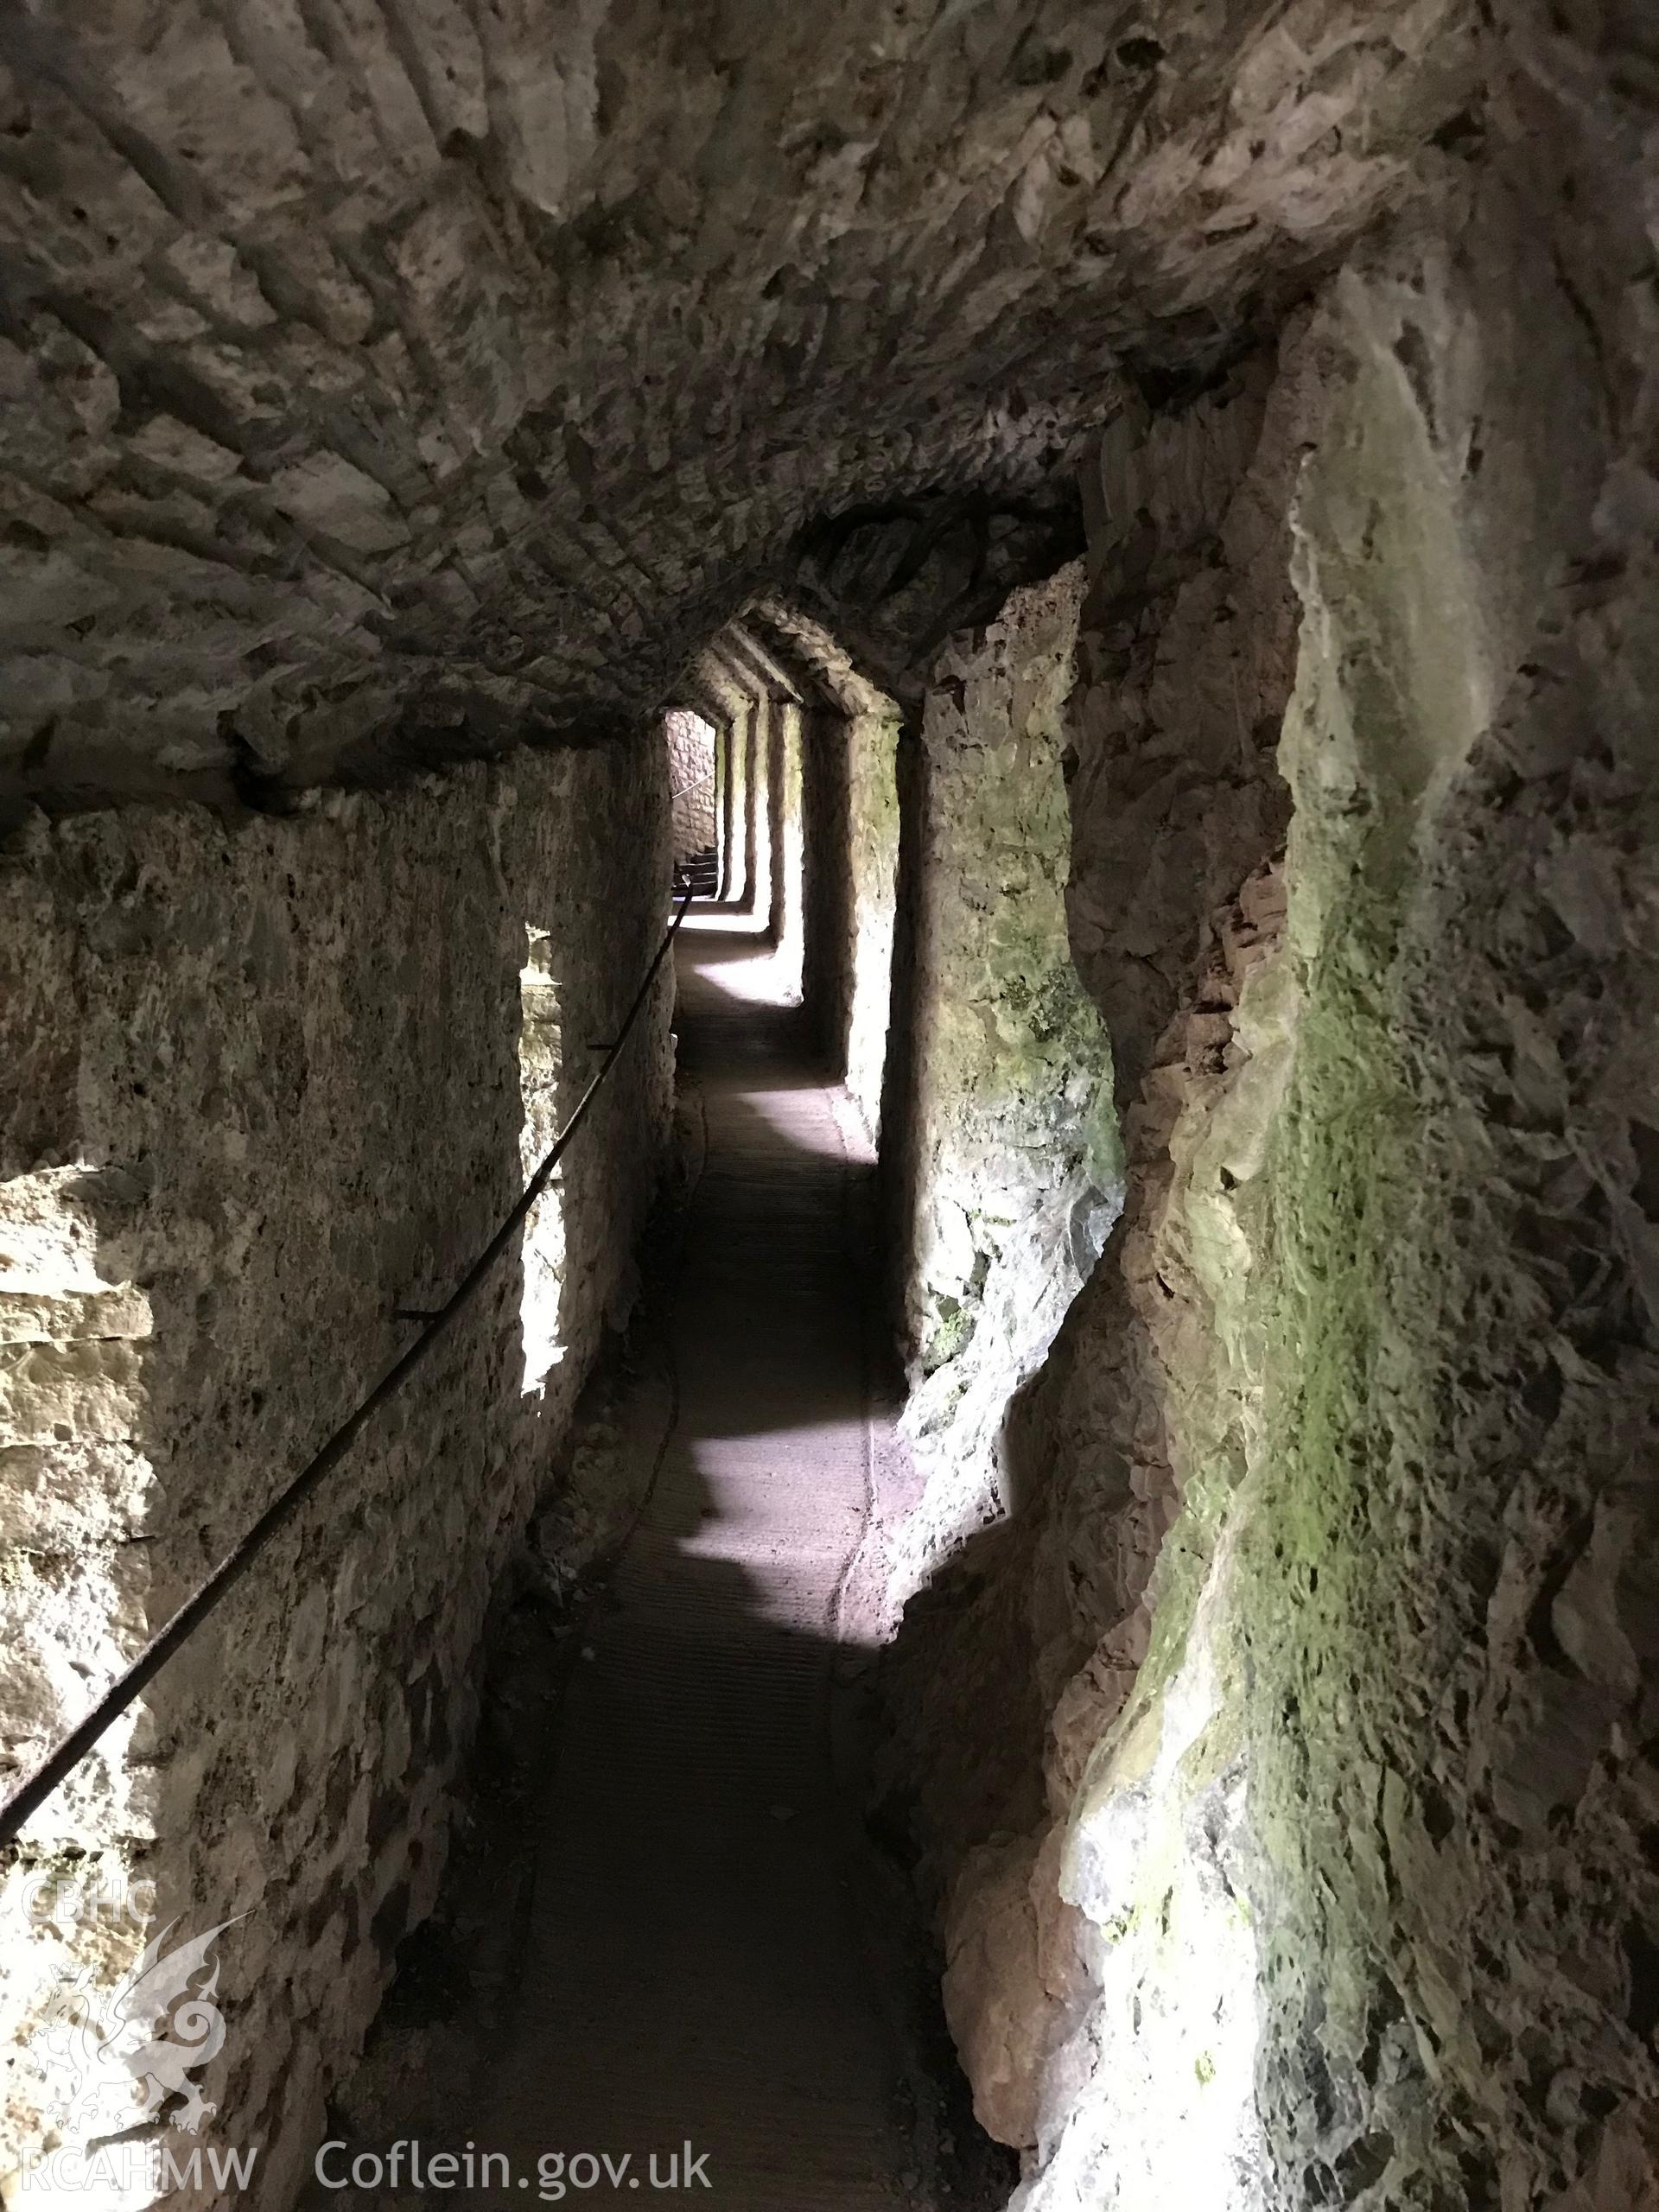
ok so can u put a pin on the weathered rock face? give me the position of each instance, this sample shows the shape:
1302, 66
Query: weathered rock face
1452, 1557
1025, 1650
1009, 1175
268, 1088
1307, 1857
690, 742
387, 385
1189, 643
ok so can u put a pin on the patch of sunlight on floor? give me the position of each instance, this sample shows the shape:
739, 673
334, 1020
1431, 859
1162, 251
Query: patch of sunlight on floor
752, 979
709, 917
773, 1109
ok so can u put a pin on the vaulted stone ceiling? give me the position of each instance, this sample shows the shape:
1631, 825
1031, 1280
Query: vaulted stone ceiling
389, 380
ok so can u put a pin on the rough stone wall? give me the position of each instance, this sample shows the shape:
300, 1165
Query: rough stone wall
1454, 1793
789, 826
264, 1084
1009, 1668
731, 787
383, 382
763, 793
1189, 639
1178, 822
851, 856
691, 782
1340, 1887
873, 831
733, 710
827, 888
1011, 1158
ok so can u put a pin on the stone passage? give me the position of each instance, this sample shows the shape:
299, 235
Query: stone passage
694, 1967
1123, 544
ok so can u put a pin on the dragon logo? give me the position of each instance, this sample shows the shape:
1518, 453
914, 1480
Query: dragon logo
147, 2037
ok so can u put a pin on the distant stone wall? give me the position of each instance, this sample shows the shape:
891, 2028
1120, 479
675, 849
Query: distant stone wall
787, 837
850, 860
263, 1081
873, 826
692, 781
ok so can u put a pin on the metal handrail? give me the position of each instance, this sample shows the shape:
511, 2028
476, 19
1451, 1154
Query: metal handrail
30, 1795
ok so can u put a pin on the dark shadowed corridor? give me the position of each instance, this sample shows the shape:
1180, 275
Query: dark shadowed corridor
694, 1970
983, 1537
